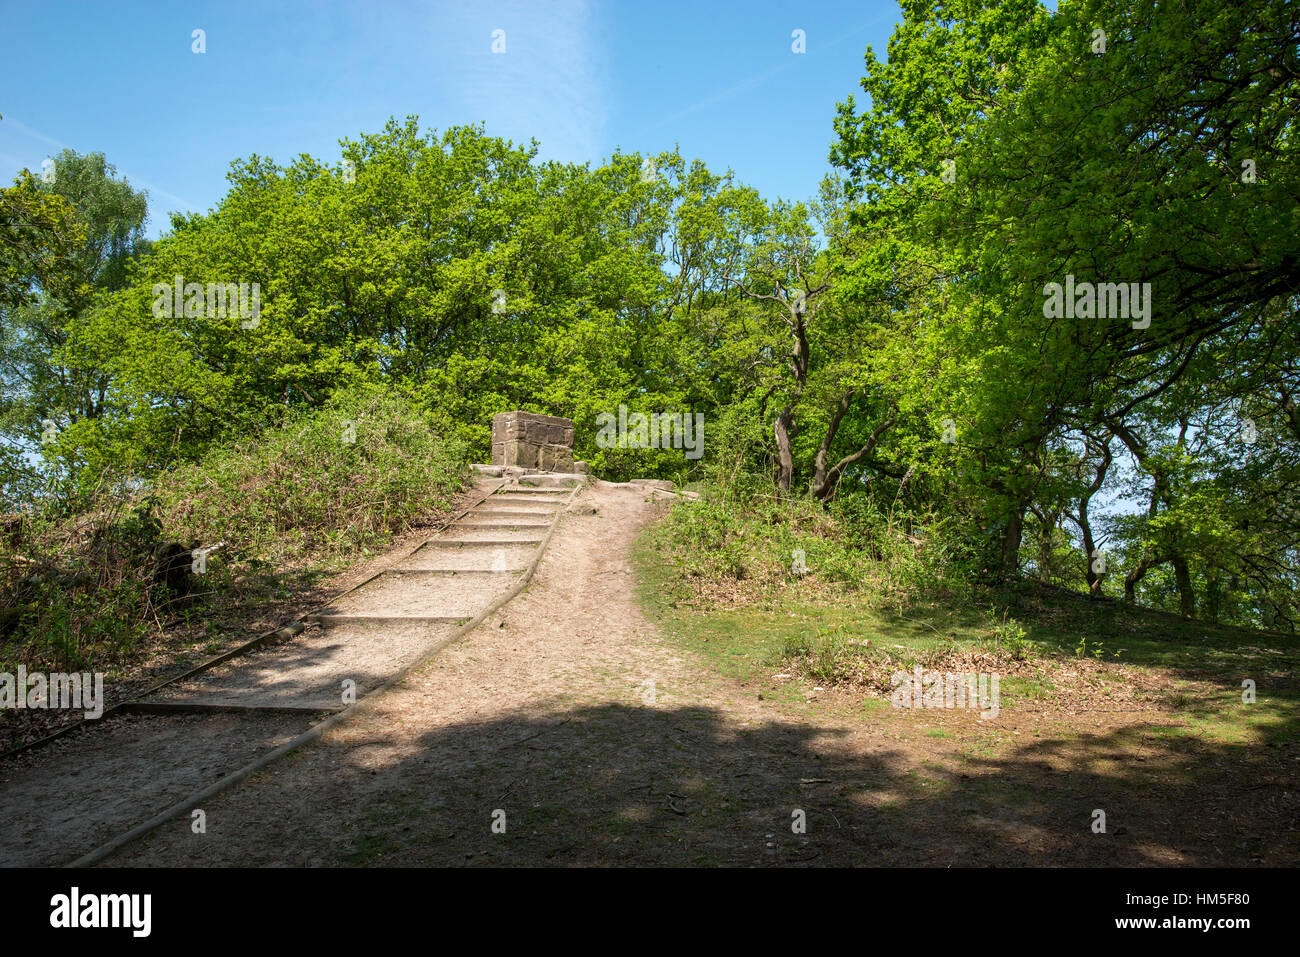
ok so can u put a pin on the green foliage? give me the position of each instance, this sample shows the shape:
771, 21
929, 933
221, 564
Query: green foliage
80, 591
39, 236
1009, 635
452, 265
53, 383
326, 482
1005, 147
882, 387
764, 548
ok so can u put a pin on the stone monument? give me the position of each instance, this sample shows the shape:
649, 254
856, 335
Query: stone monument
531, 441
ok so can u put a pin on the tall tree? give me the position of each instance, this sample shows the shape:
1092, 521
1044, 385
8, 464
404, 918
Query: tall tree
48, 384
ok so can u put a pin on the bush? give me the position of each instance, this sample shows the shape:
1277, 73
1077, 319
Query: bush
80, 590
328, 482
753, 548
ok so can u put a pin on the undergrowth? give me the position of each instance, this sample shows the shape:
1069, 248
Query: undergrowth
81, 591
724, 550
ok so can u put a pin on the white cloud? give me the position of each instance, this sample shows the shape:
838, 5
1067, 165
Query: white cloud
135, 181
550, 82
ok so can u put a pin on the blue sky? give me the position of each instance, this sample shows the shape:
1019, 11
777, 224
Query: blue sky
583, 77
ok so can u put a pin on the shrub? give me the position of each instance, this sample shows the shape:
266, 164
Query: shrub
329, 482
80, 590
729, 547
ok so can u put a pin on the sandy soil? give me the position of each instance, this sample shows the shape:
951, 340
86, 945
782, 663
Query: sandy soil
567, 731
81, 791
571, 722
62, 801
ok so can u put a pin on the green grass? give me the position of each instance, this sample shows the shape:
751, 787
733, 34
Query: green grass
1014, 689
822, 640
752, 641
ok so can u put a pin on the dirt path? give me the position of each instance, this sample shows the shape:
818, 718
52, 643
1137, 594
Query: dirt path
570, 721
567, 730
64, 800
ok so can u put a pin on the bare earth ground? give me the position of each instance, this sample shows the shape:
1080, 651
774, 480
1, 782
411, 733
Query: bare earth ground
571, 722
79, 792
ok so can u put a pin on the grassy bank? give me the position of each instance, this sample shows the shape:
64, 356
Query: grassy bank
269, 514
851, 622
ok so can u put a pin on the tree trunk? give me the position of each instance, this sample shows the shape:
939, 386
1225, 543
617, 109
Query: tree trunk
783, 428
821, 468
1183, 579
1011, 535
1130, 583
1048, 532
1212, 603
1092, 577
1147, 563
824, 480
1089, 547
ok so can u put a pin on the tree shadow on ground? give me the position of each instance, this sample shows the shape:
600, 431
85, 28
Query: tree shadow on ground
1221, 655
627, 785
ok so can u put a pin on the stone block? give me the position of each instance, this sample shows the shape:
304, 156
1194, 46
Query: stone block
532, 441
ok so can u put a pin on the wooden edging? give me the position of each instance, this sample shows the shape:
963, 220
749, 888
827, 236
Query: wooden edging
279, 634
189, 707
316, 731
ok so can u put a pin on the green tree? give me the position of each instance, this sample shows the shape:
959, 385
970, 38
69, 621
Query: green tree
51, 383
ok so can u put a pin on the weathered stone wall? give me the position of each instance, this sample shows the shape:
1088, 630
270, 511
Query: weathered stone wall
532, 441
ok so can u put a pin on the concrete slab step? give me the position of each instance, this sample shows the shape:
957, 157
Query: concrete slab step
346, 618
453, 572
485, 539
503, 559
565, 480
213, 706
556, 493
309, 671
527, 532
500, 525
535, 514
523, 501
428, 596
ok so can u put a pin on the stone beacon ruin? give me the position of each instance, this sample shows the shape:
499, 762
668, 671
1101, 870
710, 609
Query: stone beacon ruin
533, 449
531, 441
